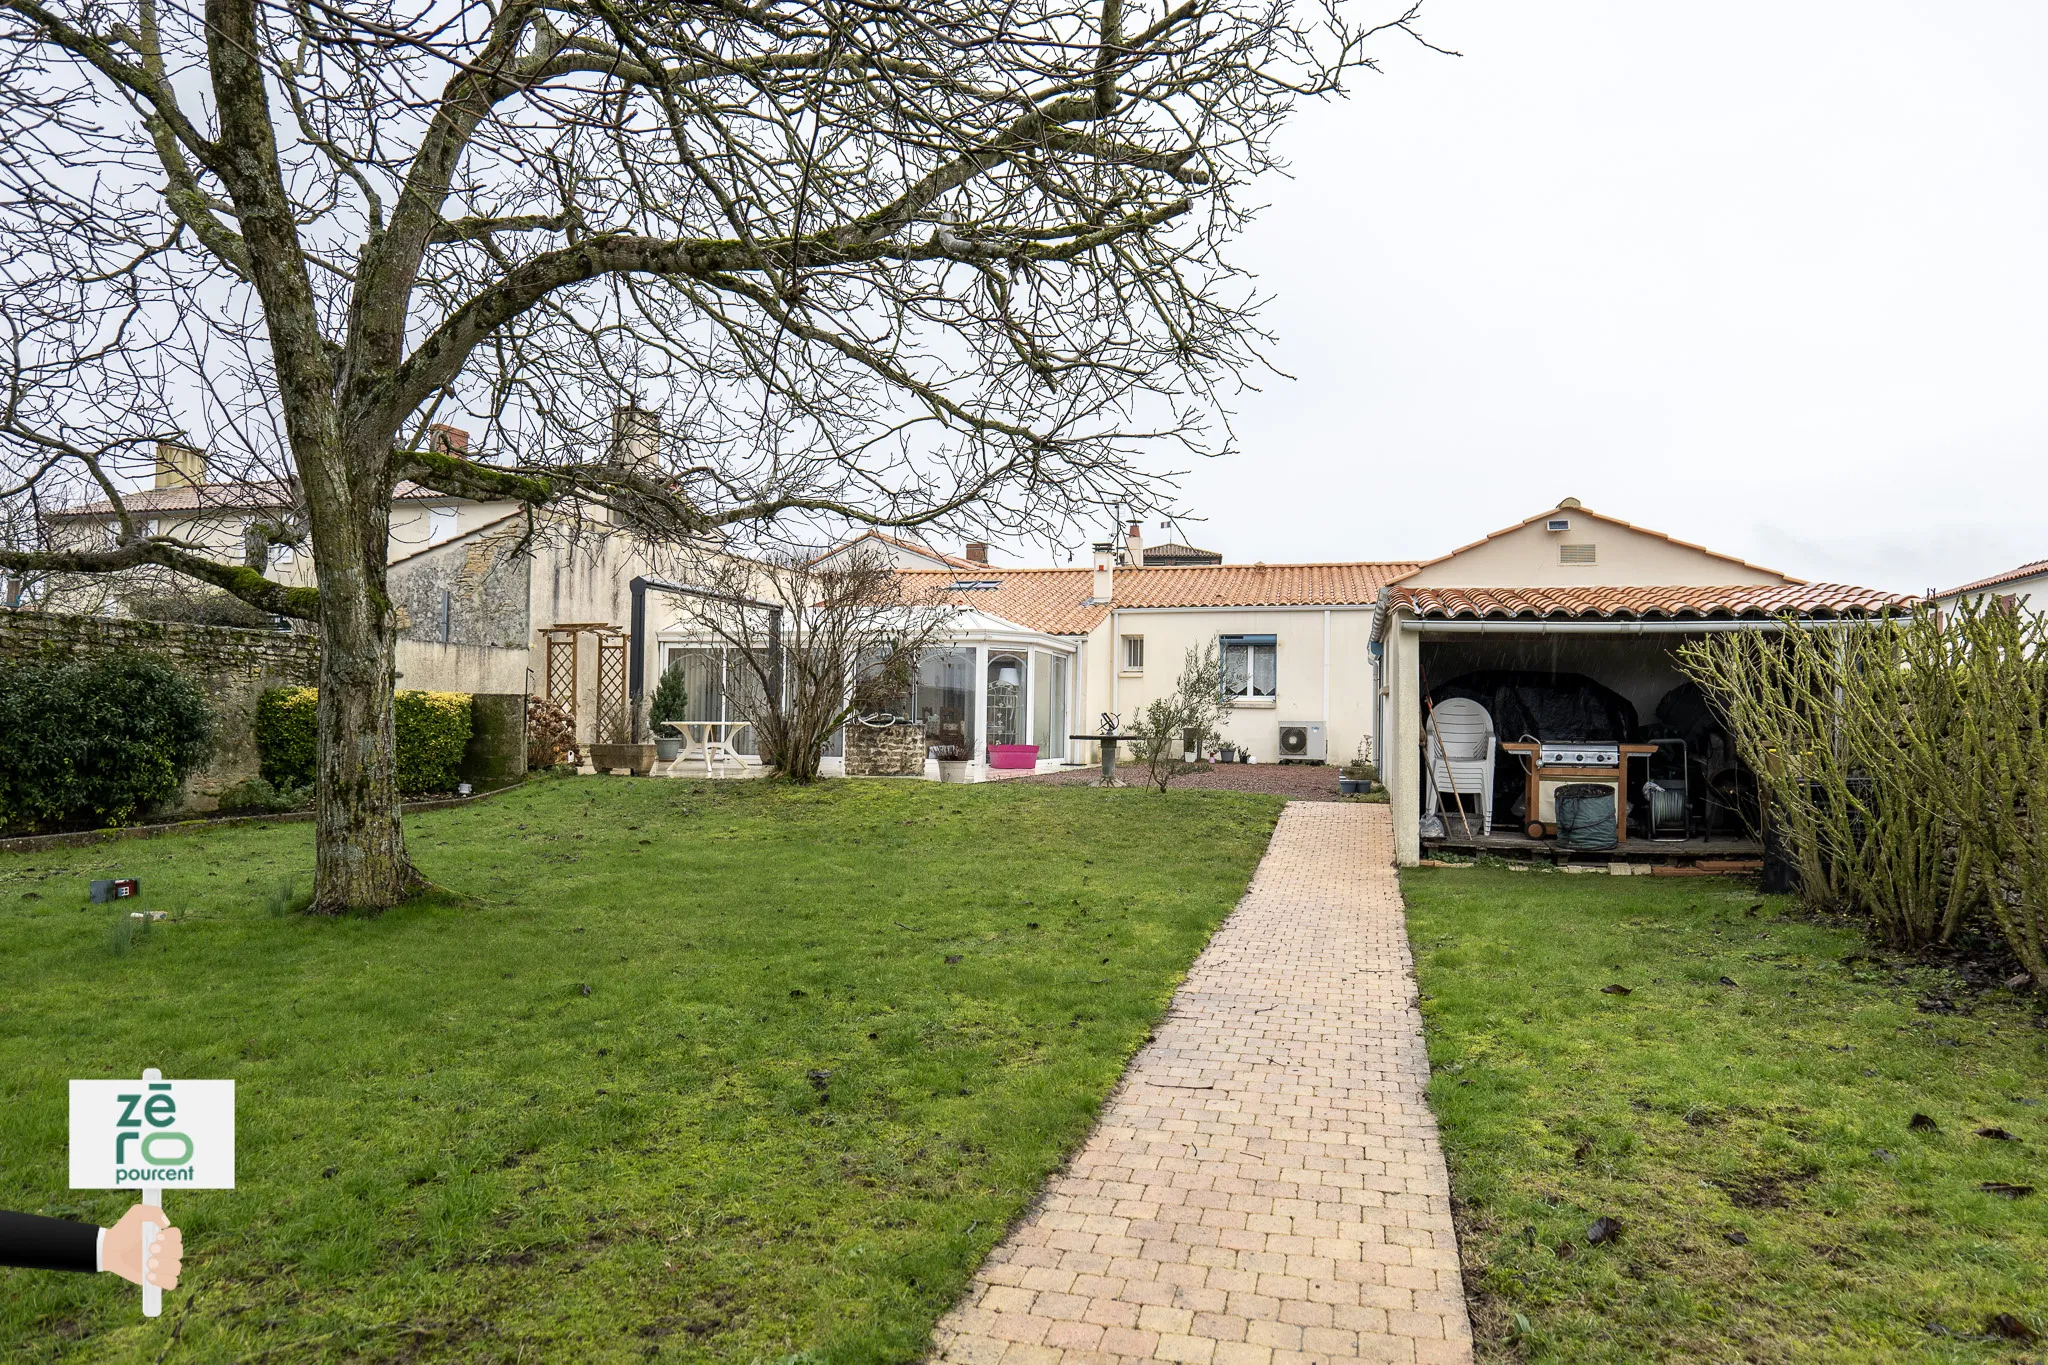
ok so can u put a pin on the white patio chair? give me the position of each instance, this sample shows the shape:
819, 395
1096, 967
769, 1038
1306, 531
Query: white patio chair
1458, 745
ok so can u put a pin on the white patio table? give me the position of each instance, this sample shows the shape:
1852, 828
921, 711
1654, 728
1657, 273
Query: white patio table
709, 739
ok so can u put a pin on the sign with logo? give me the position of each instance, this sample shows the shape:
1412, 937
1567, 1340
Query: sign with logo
127, 1135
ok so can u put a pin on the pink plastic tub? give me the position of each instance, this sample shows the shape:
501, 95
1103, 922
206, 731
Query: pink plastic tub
1013, 755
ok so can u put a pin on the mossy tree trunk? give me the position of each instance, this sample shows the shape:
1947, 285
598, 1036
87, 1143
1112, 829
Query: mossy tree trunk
360, 860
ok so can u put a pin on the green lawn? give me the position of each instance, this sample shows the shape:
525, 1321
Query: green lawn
1769, 1109
719, 1071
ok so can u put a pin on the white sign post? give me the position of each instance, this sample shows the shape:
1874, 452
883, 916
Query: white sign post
146, 1134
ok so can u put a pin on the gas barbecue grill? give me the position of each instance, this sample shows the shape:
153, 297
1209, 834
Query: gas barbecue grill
1556, 763
1577, 755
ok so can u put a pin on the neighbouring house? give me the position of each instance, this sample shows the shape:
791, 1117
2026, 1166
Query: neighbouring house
1174, 555
488, 600
903, 553
2025, 587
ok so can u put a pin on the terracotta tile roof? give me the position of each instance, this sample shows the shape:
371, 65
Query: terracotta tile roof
2039, 566
1751, 601
1174, 552
1056, 601
251, 496
1571, 508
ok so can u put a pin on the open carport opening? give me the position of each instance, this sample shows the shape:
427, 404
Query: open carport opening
1595, 689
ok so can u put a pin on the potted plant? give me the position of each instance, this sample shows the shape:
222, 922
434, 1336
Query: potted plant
1226, 753
1359, 776
671, 699
617, 751
952, 762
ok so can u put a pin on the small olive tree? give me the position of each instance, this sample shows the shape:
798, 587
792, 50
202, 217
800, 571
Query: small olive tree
1185, 718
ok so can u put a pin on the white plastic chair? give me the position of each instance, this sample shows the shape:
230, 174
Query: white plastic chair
1458, 745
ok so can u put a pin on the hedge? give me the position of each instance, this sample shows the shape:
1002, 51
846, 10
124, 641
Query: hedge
96, 741
433, 731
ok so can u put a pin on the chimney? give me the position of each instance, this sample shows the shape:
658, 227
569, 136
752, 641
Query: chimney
636, 438
443, 439
1105, 572
977, 552
179, 466
1134, 547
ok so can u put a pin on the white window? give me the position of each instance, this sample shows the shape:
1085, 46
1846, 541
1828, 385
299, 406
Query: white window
1134, 654
1250, 667
1577, 554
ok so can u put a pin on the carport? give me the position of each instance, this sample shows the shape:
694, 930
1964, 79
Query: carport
1592, 665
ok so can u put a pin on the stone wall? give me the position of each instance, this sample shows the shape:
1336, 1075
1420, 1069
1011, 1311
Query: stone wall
473, 590
885, 751
232, 667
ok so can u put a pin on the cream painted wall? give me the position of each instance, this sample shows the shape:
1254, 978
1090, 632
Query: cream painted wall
429, 666
1528, 558
2031, 592
1346, 710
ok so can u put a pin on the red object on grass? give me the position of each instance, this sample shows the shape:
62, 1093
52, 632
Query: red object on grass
1013, 755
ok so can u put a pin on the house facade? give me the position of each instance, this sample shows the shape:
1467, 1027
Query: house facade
1323, 661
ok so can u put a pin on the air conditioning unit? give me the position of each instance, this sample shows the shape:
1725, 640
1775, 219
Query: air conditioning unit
1304, 742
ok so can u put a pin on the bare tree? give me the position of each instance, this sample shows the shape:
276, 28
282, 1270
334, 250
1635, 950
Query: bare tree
895, 264
813, 645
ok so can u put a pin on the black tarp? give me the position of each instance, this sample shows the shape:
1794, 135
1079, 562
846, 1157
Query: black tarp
1552, 707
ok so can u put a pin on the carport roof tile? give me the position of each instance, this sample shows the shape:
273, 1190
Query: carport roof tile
1752, 601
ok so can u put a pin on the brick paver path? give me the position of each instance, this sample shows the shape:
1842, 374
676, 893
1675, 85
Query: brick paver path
1265, 1187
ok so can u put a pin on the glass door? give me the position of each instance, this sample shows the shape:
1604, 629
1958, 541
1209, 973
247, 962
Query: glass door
1006, 677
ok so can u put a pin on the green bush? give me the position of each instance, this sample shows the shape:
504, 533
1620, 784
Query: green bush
433, 731
286, 735
671, 699
256, 796
96, 741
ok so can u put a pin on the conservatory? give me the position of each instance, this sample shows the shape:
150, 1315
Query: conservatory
994, 696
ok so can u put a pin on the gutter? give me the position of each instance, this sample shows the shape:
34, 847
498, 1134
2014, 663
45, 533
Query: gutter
1462, 626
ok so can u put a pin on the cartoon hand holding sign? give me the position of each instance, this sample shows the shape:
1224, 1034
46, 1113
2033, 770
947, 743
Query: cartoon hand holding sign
144, 1135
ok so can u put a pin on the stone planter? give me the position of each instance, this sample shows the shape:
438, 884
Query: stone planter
638, 757
953, 769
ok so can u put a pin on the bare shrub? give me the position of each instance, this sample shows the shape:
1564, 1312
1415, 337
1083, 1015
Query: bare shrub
1904, 763
815, 644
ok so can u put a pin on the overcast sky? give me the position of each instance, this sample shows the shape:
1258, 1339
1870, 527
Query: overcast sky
1769, 277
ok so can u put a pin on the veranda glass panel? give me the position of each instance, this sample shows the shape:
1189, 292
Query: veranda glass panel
1006, 680
703, 674
1058, 670
945, 698
1041, 704
1049, 705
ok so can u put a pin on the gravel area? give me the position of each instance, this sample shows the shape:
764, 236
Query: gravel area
1299, 781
